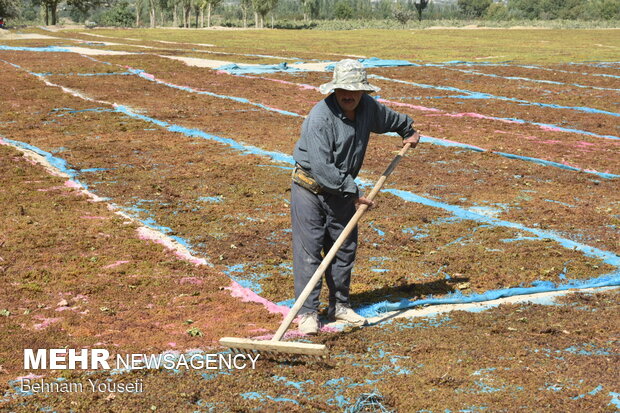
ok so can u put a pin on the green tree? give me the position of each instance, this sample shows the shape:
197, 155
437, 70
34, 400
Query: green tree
210, 5
497, 12
10, 8
419, 6
186, 8
555, 9
261, 8
605, 9
138, 9
343, 10
153, 6
309, 8
246, 5
80, 9
401, 15
118, 15
525, 9
198, 7
173, 7
474, 8
363, 9
51, 10
383, 9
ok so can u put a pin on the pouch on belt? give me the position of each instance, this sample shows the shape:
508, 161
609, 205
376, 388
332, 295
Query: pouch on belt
305, 180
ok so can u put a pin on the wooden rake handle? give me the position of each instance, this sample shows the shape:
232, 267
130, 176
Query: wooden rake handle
286, 323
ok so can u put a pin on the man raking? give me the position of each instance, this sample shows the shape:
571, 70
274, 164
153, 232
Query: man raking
324, 195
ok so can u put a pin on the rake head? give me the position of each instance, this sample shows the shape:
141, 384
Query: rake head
273, 347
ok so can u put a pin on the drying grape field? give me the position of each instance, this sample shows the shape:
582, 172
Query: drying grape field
145, 184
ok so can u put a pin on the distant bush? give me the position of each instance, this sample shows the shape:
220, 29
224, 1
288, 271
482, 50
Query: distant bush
565, 9
497, 12
474, 8
402, 15
121, 15
294, 25
278, 24
343, 10
488, 22
354, 24
605, 9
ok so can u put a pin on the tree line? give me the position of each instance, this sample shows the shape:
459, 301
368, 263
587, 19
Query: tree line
245, 13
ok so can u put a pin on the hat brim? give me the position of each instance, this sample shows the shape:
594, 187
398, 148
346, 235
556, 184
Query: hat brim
331, 86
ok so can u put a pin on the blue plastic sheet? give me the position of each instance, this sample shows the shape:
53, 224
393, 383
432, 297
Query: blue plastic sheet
236, 69
612, 279
35, 49
376, 62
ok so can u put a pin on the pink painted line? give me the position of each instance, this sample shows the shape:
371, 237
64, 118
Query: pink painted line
46, 322
475, 115
148, 235
309, 87
247, 295
187, 88
410, 106
92, 217
299, 85
189, 257
550, 128
72, 184
285, 82
470, 146
30, 161
437, 112
540, 141
52, 188
116, 264
150, 76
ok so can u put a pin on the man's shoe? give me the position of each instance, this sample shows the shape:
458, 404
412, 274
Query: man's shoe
309, 323
345, 313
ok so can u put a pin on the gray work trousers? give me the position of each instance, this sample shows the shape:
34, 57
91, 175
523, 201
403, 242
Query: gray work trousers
317, 221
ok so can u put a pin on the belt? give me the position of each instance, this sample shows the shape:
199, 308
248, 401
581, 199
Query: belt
303, 178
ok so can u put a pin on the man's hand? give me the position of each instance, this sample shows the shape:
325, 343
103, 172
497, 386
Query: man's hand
413, 140
364, 201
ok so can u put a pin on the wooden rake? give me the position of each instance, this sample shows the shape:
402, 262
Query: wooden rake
275, 345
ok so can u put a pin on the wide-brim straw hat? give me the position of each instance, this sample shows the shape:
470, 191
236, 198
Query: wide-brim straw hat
349, 74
